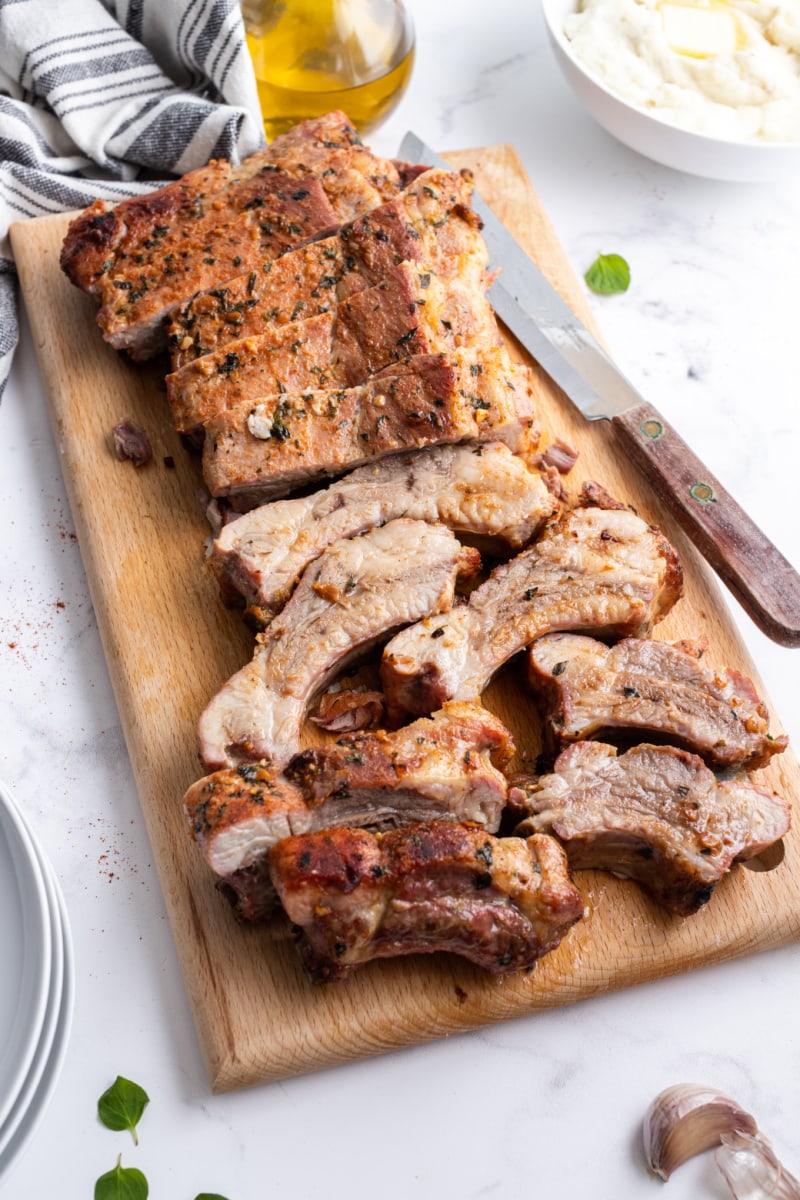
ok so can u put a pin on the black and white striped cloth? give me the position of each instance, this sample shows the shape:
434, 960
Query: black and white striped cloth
94, 91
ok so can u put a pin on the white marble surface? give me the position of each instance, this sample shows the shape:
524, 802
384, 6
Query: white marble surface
549, 1105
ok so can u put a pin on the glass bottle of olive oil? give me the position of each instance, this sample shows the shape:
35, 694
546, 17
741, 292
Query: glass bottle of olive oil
311, 56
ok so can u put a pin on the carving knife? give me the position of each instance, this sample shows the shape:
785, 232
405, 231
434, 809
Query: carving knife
765, 583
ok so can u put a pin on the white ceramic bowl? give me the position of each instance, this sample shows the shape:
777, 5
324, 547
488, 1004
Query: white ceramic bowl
651, 135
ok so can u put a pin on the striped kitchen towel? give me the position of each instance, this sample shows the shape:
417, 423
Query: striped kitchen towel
94, 91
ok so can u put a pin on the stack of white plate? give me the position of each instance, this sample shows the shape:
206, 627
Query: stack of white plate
37, 980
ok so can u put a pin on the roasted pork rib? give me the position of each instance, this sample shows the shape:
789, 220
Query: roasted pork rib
149, 254
259, 452
597, 569
444, 768
356, 896
655, 814
408, 313
430, 224
645, 687
485, 491
359, 590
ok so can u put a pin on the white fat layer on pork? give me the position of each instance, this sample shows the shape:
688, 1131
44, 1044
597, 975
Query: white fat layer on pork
596, 569
485, 491
244, 843
356, 592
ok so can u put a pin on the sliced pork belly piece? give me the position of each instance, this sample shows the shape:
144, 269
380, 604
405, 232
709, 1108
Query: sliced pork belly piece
655, 814
435, 769
142, 286
356, 896
150, 254
442, 765
646, 687
101, 233
358, 591
602, 570
235, 815
431, 224
408, 313
259, 452
485, 491
329, 148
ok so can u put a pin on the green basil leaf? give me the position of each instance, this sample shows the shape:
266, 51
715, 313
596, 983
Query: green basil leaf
608, 275
209, 1196
122, 1183
121, 1107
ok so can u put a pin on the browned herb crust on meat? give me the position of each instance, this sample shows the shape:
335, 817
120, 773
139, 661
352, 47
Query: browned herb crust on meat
356, 896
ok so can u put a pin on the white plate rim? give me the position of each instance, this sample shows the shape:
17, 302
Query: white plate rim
35, 985
27, 1093
51, 1069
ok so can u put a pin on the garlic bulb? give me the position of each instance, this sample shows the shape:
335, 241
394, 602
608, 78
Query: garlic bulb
752, 1171
686, 1119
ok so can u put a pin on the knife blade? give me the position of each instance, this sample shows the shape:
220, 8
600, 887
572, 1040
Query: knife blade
762, 579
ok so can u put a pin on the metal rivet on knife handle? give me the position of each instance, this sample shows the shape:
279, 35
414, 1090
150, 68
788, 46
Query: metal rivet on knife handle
764, 582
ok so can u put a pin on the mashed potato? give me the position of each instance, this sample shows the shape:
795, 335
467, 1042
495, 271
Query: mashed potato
731, 70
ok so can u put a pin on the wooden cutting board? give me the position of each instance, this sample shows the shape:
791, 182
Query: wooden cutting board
170, 644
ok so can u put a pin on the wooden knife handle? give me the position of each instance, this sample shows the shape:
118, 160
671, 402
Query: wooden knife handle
764, 582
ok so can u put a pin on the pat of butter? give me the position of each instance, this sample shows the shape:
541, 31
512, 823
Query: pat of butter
699, 32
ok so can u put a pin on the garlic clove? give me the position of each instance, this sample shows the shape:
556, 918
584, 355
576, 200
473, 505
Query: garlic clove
686, 1119
751, 1170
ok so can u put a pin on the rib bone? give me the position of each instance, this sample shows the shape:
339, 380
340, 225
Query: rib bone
358, 591
603, 570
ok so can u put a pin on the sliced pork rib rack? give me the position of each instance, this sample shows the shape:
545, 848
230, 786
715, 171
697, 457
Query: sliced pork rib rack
485, 491
356, 896
443, 768
149, 254
597, 569
354, 594
258, 452
430, 223
407, 313
655, 814
647, 687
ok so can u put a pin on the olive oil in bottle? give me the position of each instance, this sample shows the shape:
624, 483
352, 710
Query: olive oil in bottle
311, 56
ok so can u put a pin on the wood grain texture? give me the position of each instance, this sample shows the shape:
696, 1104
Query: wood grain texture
170, 644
